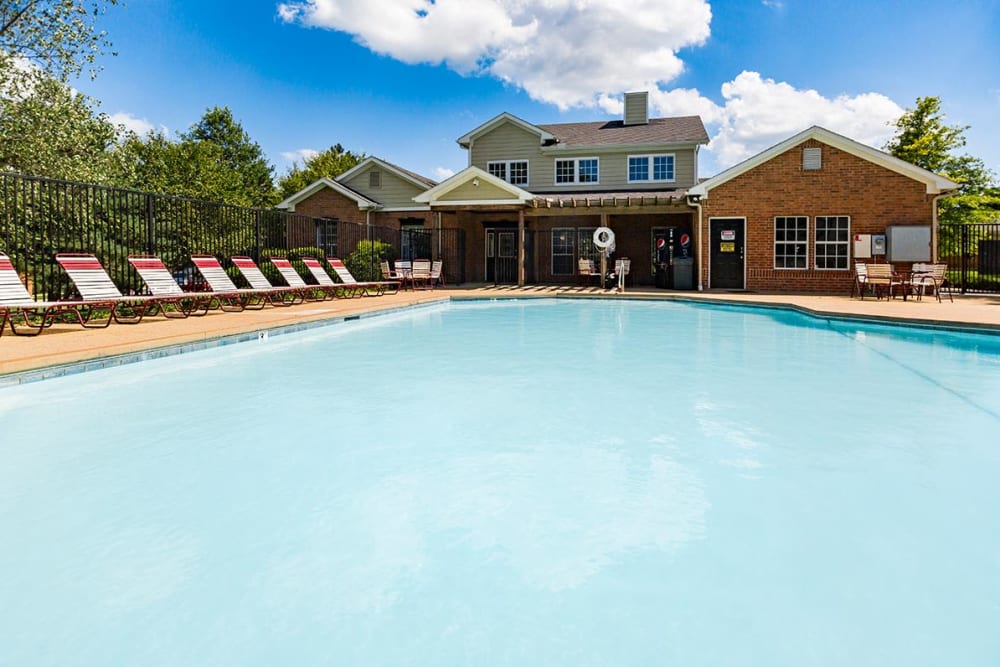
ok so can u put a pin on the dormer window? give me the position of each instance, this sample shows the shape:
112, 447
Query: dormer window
650, 168
375, 178
514, 172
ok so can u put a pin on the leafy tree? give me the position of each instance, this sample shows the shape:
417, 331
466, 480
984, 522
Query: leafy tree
922, 138
331, 163
53, 131
220, 136
58, 36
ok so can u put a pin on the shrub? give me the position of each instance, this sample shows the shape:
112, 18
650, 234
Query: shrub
365, 262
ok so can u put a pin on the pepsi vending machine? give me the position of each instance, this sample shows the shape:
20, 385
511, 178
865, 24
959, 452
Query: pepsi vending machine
670, 246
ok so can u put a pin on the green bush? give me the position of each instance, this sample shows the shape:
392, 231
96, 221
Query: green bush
365, 262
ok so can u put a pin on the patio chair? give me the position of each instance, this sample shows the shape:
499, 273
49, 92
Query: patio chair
220, 282
323, 279
437, 278
370, 288
586, 269
883, 280
276, 295
404, 269
95, 286
16, 303
421, 273
860, 283
292, 277
931, 277
160, 282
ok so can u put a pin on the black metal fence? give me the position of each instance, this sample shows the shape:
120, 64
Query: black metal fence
972, 252
40, 217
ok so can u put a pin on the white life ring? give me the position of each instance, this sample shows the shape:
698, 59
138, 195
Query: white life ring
604, 238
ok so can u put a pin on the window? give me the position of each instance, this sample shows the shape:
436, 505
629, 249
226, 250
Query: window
514, 172
580, 170
563, 255
650, 168
791, 239
375, 179
833, 234
587, 249
326, 236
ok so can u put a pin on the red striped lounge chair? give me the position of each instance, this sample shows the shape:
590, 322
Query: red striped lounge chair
161, 283
27, 317
313, 292
372, 288
276, 296
95, 286
220, 282
324, 280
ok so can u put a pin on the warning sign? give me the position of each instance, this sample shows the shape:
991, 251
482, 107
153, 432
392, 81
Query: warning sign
727, 246
728, 234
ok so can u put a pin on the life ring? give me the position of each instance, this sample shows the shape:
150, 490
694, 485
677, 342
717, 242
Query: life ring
603, 238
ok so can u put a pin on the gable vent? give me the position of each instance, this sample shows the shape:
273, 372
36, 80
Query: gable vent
812, 158
374, 179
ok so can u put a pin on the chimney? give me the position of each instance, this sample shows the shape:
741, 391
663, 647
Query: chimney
637, 108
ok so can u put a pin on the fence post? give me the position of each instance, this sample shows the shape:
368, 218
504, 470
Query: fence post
258, 214
965, 256
150, 226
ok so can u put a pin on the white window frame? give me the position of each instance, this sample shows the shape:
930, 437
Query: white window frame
571, 254
775, 242
507, 170
846, 243
649, 168
576, 170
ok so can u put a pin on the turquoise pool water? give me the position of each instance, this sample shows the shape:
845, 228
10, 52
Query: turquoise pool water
518, 483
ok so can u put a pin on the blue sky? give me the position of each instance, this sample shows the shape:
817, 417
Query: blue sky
402, 79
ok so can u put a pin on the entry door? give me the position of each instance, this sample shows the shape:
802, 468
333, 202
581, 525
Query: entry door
727, 253
501, 256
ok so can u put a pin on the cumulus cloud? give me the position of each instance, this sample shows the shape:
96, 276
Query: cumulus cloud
570, 53
302, 154
140, 126
585, 53
443, 173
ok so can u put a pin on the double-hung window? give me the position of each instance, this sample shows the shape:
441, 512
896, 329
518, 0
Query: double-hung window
791, 241
514, 172
577, 170
650, 168
833, 235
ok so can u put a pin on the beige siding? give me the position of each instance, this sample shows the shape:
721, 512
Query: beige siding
395, 192
510, 142
482, 192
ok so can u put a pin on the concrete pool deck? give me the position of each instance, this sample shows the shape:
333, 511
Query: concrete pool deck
67, 345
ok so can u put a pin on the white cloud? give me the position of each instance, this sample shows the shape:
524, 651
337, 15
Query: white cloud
140, 126
443, 173
570, 53
301, 154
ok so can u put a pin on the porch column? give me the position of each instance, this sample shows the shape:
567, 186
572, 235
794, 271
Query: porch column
521, 254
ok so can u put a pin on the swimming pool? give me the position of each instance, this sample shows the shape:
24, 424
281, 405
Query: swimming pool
529, 482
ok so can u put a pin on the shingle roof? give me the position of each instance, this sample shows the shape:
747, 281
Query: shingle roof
429, 182
679, 129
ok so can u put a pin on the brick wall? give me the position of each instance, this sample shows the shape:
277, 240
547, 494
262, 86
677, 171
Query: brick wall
873, 197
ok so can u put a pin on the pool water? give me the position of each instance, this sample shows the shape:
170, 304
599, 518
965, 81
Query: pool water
530, 482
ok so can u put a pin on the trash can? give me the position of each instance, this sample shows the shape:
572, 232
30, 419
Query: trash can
683, 273
663, 276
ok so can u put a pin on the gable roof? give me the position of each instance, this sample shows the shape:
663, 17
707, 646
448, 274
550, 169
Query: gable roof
543, 135
314, 187
414, 178
935, 184
674, 130
474, 175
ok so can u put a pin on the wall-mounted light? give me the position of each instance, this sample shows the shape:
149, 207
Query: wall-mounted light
475, 182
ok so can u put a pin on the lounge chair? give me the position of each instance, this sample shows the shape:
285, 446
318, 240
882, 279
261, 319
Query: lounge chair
16, 303
220, 282
332, 289
371, 288
95, 286
161, 283
318, 292
276, 295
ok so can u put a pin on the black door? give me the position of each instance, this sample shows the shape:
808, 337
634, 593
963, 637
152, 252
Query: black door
727, 253
501, 256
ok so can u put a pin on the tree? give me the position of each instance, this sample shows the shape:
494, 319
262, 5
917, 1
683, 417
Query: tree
53, 131
236, 154
922, 138
57, 36
331, 163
